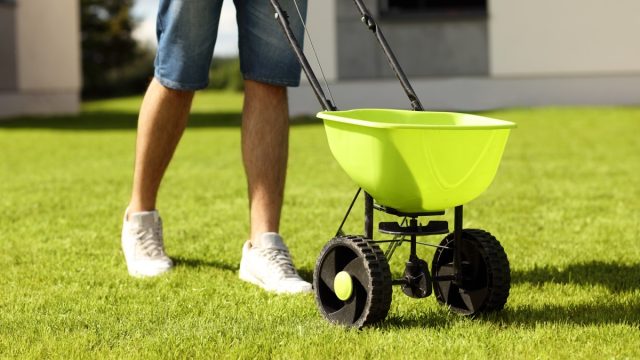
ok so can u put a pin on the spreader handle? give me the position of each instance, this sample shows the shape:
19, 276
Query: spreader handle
282, 18
368, 20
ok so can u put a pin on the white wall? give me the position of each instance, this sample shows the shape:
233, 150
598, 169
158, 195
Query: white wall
564, 37
322, 26
48, 42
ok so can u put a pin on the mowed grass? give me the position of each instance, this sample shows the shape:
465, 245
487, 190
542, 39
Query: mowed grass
565, 204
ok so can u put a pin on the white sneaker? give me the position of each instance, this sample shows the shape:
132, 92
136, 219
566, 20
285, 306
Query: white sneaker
142, 244
269, 266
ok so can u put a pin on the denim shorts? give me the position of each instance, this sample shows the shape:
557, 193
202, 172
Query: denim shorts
187, 31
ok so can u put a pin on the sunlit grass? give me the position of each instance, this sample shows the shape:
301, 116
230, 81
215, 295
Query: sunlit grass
565, 205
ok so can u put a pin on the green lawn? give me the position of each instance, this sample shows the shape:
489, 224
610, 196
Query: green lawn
565, 204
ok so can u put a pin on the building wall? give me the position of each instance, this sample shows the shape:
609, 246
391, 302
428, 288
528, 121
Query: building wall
476, 93
543, 52
322, 26
518, 38
8, 76
564, 37
48, 34
43, 39
437, 46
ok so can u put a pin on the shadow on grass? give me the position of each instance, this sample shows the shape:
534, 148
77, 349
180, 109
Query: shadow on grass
306, 274
581, 314
199, 263
427, 320
529, 317
128, 121
616, 277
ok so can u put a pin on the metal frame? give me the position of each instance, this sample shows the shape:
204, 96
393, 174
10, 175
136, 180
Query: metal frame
369, 206
368, 20
283, 19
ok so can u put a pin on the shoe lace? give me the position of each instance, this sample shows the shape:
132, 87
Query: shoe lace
280, 262
149, 241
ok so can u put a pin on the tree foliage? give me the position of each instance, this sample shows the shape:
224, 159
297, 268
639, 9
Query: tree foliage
112, 62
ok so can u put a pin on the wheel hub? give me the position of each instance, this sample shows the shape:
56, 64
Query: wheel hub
343, 285
352, 282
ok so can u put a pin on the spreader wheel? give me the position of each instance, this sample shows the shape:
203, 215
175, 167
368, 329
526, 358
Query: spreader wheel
485, 269
352, 282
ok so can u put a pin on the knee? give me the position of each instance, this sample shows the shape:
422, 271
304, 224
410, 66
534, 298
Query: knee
174, 94
257, 88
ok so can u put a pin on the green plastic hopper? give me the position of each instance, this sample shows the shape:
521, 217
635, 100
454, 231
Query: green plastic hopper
416, 161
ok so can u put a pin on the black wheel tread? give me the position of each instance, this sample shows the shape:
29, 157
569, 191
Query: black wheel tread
497, 265
378, 290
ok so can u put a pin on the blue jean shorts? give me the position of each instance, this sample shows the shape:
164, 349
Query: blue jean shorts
187, 31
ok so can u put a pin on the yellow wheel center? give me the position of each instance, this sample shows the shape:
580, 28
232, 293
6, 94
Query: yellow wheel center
343, 285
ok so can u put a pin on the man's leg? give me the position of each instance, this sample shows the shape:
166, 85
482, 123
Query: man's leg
186, 37
265, 143
163, 118
266, 261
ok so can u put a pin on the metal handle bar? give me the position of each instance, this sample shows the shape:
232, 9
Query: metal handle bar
282, 18
368, 20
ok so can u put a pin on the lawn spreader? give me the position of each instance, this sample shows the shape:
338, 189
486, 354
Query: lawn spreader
413, 164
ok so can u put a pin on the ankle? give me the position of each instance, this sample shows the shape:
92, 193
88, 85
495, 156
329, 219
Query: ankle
136, 206
256, 237
132, 209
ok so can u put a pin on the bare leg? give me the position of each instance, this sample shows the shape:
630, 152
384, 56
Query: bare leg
265, 143
162, 120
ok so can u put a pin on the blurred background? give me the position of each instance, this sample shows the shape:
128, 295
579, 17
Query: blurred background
565, 203
53, 55
459, 54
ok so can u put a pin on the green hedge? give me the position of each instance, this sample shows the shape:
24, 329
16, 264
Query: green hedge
225, 74
135, 77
